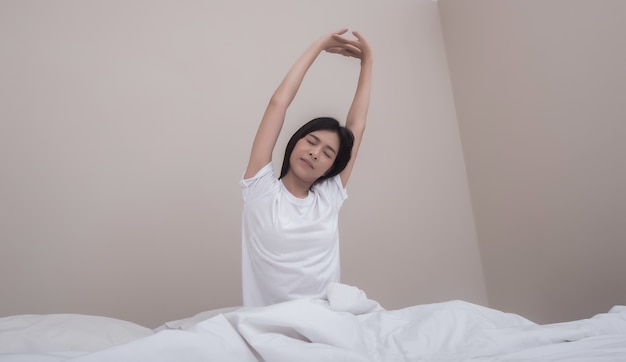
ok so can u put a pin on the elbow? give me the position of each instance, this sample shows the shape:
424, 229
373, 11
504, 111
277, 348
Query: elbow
356, 123
278, 101
357, 129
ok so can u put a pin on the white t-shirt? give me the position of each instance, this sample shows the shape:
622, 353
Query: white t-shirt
290, 246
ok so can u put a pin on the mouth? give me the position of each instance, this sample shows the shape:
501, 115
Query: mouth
307, 162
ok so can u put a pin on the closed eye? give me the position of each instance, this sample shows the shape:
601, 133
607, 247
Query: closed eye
313, 140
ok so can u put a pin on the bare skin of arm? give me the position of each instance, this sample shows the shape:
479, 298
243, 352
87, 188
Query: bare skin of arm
357, 115
274, 116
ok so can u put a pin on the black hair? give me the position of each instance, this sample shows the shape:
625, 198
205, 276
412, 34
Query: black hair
344, 153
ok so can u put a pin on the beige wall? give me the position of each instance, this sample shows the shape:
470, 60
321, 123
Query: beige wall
540, 91
125, 126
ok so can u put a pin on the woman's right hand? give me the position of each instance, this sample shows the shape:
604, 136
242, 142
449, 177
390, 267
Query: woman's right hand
335, 43
358, 48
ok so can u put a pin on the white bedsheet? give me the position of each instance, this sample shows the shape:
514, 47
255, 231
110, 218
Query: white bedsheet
350, 327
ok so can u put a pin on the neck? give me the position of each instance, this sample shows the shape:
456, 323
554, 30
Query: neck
295, 186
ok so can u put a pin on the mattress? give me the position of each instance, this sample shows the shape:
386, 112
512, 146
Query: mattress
346, 327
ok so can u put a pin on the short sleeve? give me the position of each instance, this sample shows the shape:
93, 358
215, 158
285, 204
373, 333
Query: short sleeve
333, 190
259, 184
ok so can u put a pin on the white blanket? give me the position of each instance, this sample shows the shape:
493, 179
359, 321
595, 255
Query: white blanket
350, 327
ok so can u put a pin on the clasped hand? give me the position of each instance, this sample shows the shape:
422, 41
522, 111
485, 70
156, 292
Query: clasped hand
338, 44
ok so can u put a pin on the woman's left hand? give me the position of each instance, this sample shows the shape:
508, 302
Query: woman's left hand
358, 48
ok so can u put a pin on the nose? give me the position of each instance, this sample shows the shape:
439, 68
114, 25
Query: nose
314, 155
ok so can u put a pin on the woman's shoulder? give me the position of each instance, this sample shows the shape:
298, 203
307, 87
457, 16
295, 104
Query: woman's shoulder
266, 170
263, 181
331, 186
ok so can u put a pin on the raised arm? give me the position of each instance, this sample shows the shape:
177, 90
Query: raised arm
274, 116
357, 114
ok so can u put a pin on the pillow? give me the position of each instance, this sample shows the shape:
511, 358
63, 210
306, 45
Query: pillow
65, 332
187, 323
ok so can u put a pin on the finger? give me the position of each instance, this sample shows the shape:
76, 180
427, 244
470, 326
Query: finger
334, 49
349, 54
351, 48
340, 31
344, 51
339, 37
344, 42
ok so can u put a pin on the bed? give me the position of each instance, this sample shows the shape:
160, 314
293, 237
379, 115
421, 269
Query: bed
346, 327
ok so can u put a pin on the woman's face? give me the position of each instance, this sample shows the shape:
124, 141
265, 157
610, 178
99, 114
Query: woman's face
314, 154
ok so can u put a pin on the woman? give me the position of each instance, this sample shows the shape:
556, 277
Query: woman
290, 237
